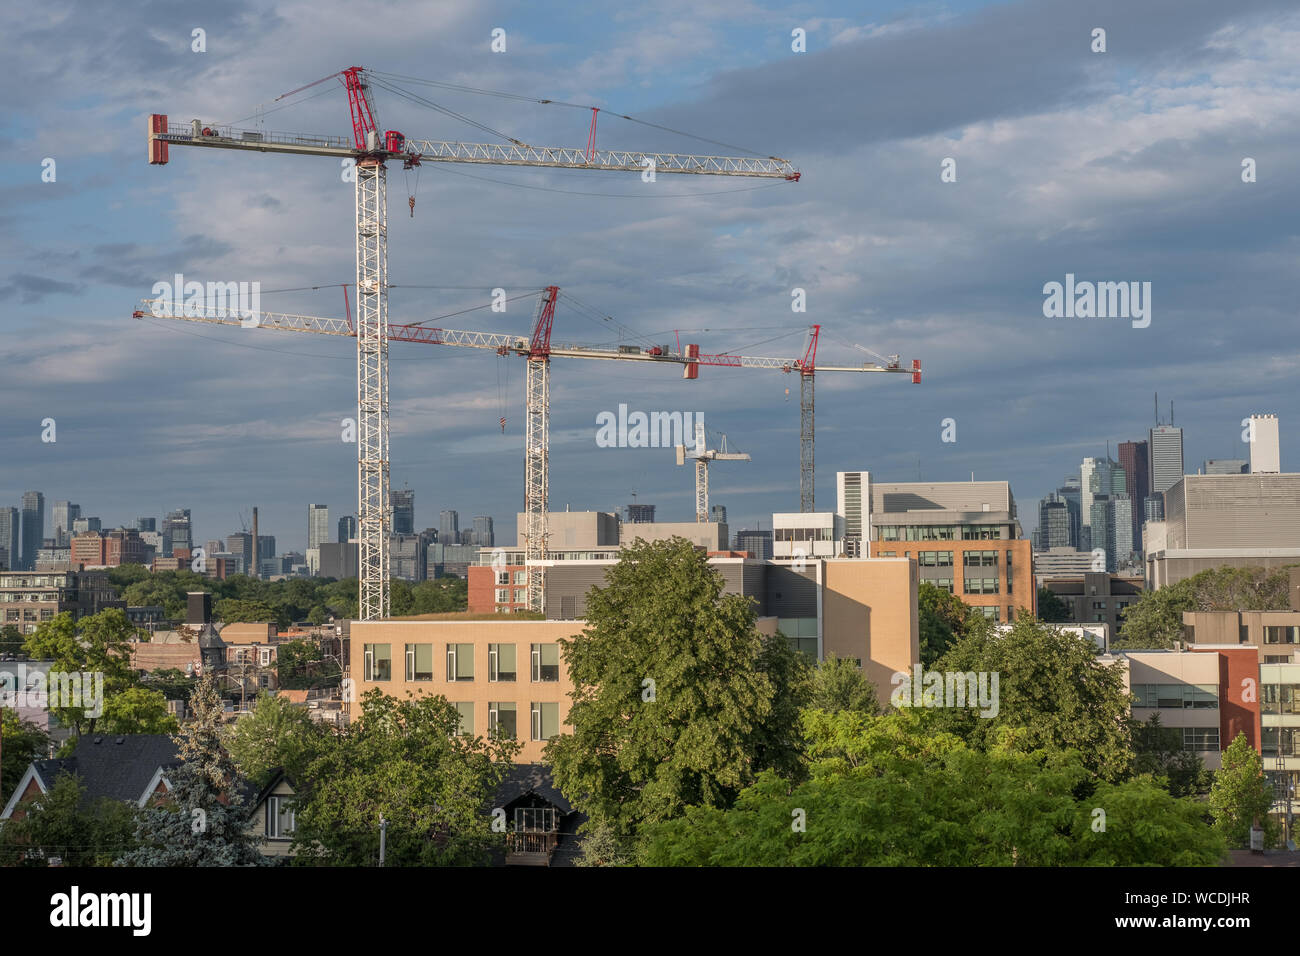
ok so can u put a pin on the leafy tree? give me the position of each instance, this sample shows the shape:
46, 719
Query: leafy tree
137, 710
1052, 687
124, 575
59, 824
99, 643
1051, 609
171, 682
677, 699
276, 734
838, 684
11, 640
1241, 795
914, 798
204, 821
1160, 753
317, 615
233, 609
601, 847
942, 619
21, 742
403, 761
1155, 620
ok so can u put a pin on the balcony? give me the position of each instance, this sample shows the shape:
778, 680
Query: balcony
531, 847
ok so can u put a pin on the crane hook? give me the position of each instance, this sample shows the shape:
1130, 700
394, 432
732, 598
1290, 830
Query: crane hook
411, 201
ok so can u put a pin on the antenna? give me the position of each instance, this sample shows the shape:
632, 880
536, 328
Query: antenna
1157, 404
1171, 412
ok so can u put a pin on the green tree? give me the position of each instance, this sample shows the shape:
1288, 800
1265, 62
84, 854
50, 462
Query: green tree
317, 615
1240, 795
231, 610
913, 797
942, 619
98, 644
402, 761
1160, 753
1051, 609
124, 575
676, 698
277, 733
60, 824
1155, 620
601, 847
204, 821
838, 684
137, 710
11, 640
1051, 687
21, 742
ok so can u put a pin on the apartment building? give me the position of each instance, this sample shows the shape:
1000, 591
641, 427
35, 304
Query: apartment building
1279, 693
29, 597
1096, 597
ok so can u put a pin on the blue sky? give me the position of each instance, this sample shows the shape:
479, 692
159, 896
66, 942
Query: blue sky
1115, 166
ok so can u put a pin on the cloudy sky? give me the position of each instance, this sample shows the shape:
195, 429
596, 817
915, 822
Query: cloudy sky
1117, 166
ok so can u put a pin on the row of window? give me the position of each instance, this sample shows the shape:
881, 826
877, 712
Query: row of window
1288, 634
1287, 737
803, 534
1176, 696
503, 596
22, 597
1280, 699
29, 614
912, 532
503, 577
503, 719
544, 662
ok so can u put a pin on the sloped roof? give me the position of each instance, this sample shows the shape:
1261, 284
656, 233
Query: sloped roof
526, 778
120, 766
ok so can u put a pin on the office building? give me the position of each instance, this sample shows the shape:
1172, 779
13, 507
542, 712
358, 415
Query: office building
1265, 451
107, 550
800, 535
408, 556
1226, 466
1235, 521
640, 514
484, 536
965, 537
1096, 597
1137, 482
146, 524
10, 531
449, 527
318, 525
1054, 523
757, 543
1063, 563
1095, 479
176, 532
87, 525
33, 537
63, 514
28, 598
718, 514
403, 511
347, 528
1165, 457
338, 560
853, 505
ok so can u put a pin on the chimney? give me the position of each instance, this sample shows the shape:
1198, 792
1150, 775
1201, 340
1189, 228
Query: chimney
198, 609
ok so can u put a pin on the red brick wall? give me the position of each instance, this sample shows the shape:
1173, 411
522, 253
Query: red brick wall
482, 589
1239, 692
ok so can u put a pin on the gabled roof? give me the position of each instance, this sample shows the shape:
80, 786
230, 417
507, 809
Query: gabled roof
526, 778
125, 767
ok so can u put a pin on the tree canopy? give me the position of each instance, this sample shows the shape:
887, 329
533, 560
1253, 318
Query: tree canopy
1155, 620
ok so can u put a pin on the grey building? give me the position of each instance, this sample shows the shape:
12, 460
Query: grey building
443, 560
718, 514
33, 528
484, 536
640, 514
404, 511
318, 525
1055, 523
10, 527
407, 556
449, 527
757, 543
176, 532
1097, 597
338, 560
63, 514
86, 525
146, 524
1226, 466
1165, 457
347, 528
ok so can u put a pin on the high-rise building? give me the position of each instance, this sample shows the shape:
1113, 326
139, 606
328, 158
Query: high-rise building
449, 527
404, 511
1265, 451
1133, 457
853, 504
86, 525
640, 514
1054, 521
176, 532
146, 524
347, 528
240, 544
1112, 528
718, 514
1071, 493
33, 528
484, 536
63, 514
9, 536
757, 543
1165, 457
318, 525
1094, 479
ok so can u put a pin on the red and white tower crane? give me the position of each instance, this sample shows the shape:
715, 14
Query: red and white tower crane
372, 150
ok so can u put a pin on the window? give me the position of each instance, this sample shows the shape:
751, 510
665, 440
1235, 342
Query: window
378, 662
546, 720
1280, 699
1269, 740
1277, 658
501, 662
1243, 634
521, 595
934, 559
945, 583
521, 577
466, 709
980, 533
546, 663
279, 818
992, 613
1201, 738
419, 662
536, 820
980, 559
1099, 605
503, 577
886, 554
502, 719
1178, 696
503, 595
264, 657
1281, 635
980, 585
460, 662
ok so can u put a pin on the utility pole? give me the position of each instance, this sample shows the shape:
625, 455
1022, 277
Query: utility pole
383, 838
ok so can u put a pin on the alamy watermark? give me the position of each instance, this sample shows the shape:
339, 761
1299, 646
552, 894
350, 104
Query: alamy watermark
42, 690
646, 430
215, 299
1098, 300
923, 688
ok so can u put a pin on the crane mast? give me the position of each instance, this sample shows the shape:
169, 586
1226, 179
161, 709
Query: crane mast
371, 151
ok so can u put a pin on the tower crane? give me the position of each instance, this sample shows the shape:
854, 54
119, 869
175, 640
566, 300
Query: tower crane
807, 368
371, 150
703, 455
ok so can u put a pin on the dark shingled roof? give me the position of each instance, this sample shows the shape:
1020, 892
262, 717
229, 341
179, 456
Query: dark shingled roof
526, 778
115, 766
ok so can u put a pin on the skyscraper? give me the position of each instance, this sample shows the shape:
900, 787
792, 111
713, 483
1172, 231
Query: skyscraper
1137, 480
1071, 493
318, 525
404, 511
1095, 479
449, 527
484, 537
1054, 522
9, 532
1165, 457
347, 528
718, 514
176, 532
33, 528
63, 514
1265, 452
146, 524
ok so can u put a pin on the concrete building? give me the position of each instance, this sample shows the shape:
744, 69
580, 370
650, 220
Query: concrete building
807, 534
484, 536
1096, 597
1216, 521
176, 532
318, 525
757, 543
640, 514
108, 550
87, 525
1133, 458
10, 536
403, 511
1265, 450
1054, 524
63, 514
853, 505
1063, 563
718, 514
1226, 466
1165, 457
1279, 686
449, 527
1273, 634
1071, 491
337, 560
29, 597
33, 528
347, 529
